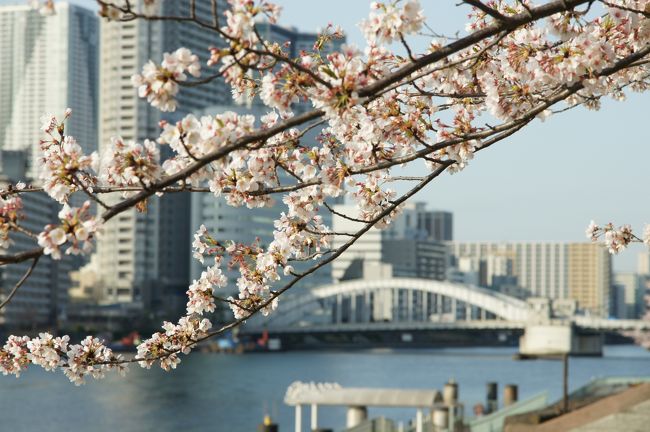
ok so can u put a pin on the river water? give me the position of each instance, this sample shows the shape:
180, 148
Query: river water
231, 393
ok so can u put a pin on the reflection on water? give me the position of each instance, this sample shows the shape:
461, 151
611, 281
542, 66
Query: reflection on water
230, 393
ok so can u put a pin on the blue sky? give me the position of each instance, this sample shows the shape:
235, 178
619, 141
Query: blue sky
545, 183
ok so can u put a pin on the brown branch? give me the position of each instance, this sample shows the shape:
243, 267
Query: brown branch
344, 216
20, 282
487, 10
21, 256
626, 8
131, 15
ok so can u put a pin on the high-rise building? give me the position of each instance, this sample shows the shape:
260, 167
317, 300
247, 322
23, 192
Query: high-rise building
143, 257
438, 224
627, 300
416, 221
415, 258
539, 267
41, 300
579, 271
590, 277
410, 250
49, 63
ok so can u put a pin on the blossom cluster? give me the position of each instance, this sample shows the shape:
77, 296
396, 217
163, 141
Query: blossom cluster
166, 346
159, 83
77, 230
616, 239
10, 213
89, 358
128, 163
64, 167
388, 22
116, 10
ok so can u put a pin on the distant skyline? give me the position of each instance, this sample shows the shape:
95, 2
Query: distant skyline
543, 184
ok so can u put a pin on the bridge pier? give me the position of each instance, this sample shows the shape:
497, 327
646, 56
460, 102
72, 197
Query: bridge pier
552, 339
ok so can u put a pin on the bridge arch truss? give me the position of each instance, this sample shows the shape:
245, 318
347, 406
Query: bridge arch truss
395, 300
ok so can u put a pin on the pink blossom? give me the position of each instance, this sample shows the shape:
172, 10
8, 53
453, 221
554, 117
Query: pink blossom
78, 229
159, 83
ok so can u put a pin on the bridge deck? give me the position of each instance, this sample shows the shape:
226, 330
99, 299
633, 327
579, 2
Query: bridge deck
391, 326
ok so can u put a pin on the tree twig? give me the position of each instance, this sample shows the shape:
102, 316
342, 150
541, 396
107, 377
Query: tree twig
20, 282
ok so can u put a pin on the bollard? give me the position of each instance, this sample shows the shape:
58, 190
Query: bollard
450, 393
492, 398
440, 418
356, 415
510, 394
437, 397
268, 425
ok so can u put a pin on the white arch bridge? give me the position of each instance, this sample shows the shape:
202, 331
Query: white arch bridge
413, 304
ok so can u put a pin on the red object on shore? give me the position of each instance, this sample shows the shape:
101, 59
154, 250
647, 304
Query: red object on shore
130, 339
264, 339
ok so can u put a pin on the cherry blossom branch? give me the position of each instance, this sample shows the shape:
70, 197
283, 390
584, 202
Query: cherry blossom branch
514, 22
128, 14
257, 136
645, 13
334, 255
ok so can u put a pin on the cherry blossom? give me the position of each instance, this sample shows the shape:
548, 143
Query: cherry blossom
159, 83
127, 163
64, 167
90, 358
177, 338
200, 294
13, 355
10, 213
615, 239
387, 22
45, 350
77, 229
